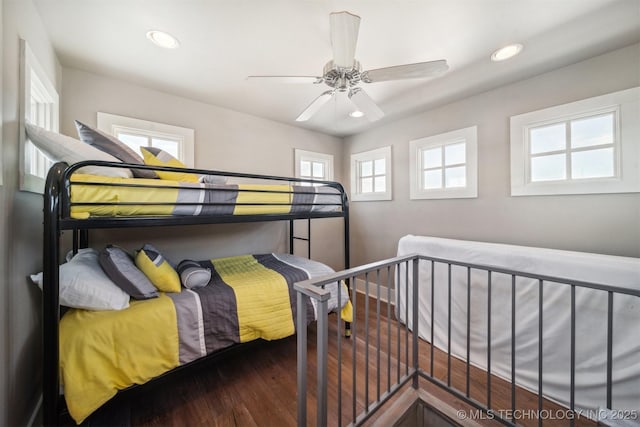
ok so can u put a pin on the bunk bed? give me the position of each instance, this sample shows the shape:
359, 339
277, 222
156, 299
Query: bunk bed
77, 202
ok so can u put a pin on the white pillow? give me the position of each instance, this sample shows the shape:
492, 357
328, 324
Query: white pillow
83, 284
63, 148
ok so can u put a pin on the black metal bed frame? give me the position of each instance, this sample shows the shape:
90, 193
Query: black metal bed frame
57, 217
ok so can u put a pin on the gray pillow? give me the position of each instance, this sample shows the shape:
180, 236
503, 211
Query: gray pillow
111, 145
121, 269
193, 275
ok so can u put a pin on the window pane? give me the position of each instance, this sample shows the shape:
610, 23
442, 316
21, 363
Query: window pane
168, 145
455, 154
592, 131
366, 185
592, 164
547, 138
432, 158
455, 177
380, 184
305, 168
432, 179
366, 168
133, 141
318, 170
548, 168
380, 167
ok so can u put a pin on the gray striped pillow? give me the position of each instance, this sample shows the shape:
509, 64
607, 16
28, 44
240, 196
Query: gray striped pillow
193, 275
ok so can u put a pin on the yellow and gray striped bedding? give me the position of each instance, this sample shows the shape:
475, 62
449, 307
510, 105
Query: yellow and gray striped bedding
248, 297
93, 195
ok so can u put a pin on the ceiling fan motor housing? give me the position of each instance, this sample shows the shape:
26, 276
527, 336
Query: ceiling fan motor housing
341, 79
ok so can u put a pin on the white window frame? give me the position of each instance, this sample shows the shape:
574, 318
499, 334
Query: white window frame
372, 155
624, 104
311, 156
34, 78
112, 124
468, 136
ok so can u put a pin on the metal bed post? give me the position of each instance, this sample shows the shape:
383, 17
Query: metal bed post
50, 298
347, 259
80, 239
84, 238
291, 236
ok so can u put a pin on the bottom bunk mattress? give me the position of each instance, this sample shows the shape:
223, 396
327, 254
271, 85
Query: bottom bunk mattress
248, 297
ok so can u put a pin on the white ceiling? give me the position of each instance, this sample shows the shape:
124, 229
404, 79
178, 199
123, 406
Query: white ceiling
224, 41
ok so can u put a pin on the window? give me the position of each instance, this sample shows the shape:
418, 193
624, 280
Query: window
39, 105
581, 148
316, 166
136, 133
371, 175
444, 166
587, 146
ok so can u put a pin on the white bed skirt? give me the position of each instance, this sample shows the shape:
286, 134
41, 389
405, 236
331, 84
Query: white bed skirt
591, 316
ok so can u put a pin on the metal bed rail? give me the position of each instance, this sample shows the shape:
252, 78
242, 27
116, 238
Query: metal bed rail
391, 347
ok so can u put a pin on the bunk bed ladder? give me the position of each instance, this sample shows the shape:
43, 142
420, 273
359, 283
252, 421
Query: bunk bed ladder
293, 237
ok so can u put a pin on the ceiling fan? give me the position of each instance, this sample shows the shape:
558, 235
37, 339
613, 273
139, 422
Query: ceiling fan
343, 73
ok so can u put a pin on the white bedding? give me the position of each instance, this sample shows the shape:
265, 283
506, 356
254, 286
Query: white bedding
591, 316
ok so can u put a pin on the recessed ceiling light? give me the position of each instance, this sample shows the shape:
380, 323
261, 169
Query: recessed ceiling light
162, 39
356, 113
506, 52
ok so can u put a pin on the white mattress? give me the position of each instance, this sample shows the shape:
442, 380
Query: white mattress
591, 316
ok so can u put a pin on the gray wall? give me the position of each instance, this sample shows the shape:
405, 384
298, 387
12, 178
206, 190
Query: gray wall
608, 224
21, 247
225, 140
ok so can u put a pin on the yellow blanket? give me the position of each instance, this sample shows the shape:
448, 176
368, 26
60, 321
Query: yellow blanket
105, 360
93, 195
261, 297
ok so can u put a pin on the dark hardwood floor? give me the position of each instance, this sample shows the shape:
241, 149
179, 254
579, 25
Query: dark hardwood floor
255, 385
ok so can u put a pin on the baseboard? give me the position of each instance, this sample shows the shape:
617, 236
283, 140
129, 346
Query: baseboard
35, 413
361, 287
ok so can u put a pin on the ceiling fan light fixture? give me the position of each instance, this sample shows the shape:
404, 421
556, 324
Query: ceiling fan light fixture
356, 114
364, 103
506, 52
163, 39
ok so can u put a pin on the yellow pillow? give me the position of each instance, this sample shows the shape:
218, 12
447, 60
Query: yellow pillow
157, 157
151, 262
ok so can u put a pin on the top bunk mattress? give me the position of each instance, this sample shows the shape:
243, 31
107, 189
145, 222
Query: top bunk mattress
100, 196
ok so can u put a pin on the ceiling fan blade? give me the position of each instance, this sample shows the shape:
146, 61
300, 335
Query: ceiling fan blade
315, 106
365, 104
408, 71
288, 79
344, 36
